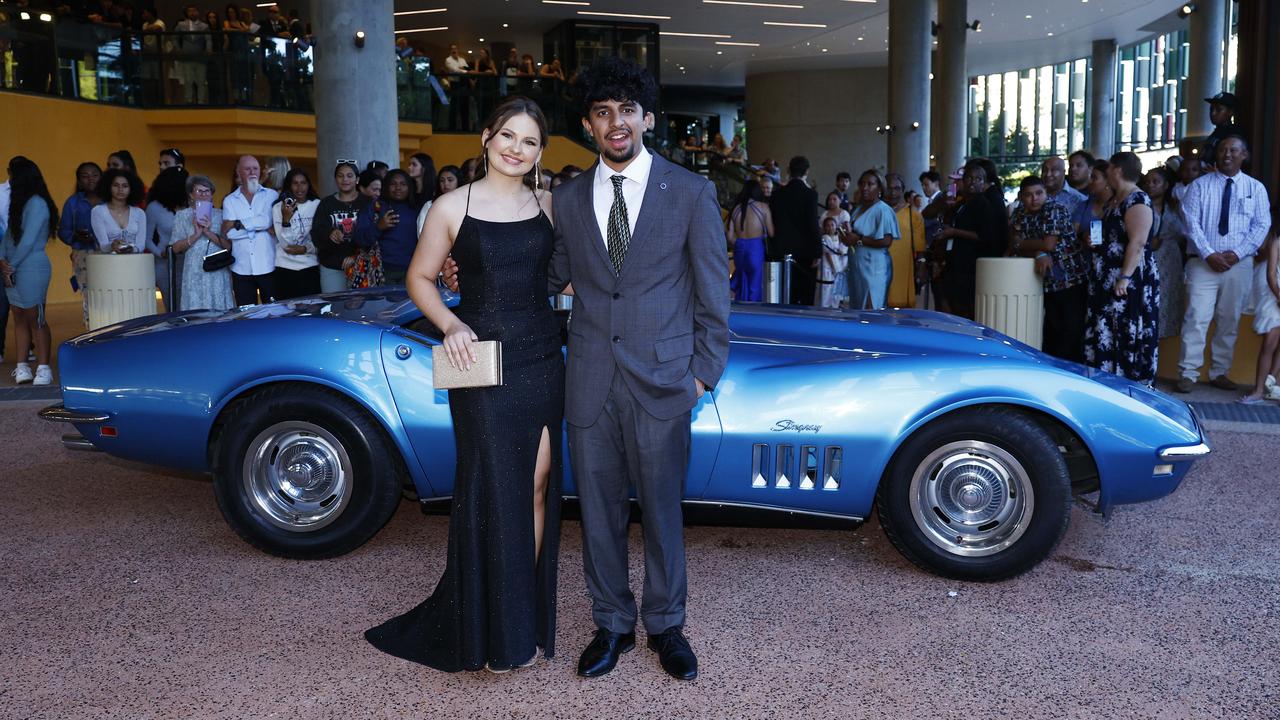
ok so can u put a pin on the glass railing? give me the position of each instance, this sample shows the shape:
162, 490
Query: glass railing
464, 101
43, 53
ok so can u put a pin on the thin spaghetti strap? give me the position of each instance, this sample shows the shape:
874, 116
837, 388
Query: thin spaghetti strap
467, 210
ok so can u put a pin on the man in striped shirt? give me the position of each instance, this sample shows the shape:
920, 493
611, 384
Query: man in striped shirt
1227, 218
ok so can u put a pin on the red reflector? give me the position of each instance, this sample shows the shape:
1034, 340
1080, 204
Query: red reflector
107, 431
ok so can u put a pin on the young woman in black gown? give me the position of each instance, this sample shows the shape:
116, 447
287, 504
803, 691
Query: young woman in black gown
495, 607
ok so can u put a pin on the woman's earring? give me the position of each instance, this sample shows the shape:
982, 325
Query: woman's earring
537, 177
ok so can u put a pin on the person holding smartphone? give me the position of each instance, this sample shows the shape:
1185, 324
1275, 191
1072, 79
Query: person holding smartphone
333, 228
76, 226
297, 268
195, 236
388, 223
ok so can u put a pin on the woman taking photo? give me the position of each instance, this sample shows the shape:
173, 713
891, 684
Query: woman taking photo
333, 229
388, 224
119, 225
1121, 333
168, 194
873, 226
750, 224
297, 270
1169, 244
495, 606
25, 268
195, 237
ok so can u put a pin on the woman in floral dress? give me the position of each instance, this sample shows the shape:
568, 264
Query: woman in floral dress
1122, 328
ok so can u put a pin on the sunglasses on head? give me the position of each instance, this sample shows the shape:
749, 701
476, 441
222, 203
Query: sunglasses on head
343, 162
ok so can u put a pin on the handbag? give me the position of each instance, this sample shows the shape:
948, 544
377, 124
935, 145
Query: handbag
366, 271
485, 372
220, 260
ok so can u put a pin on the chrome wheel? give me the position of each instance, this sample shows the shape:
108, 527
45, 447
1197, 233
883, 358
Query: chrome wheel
297, 475
971, 498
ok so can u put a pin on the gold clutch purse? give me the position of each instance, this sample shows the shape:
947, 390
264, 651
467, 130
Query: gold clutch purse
485, 372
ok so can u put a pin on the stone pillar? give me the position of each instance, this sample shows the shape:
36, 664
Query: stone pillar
355, 87
1204, 77
1102, 99
909, 63
951, 85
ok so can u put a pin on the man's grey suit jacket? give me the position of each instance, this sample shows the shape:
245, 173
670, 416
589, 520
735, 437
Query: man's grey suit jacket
662, 321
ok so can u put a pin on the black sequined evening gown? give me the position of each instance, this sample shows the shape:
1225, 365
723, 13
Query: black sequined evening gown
495, 604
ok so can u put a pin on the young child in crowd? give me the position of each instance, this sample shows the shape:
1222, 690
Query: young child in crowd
1266, 321
833, 282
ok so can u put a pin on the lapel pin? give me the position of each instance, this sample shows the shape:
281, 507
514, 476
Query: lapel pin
663, 186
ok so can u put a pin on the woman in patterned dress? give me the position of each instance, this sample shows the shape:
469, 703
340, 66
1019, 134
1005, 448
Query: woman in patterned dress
1122, 329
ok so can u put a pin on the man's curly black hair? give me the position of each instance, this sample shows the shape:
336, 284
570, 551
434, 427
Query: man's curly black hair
619, 79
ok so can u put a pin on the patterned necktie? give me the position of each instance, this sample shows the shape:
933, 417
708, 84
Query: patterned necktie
619, 226
1224, 214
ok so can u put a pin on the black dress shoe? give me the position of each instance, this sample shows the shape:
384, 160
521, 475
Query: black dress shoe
602, 654
675, 654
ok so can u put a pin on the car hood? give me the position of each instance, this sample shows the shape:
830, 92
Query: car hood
387, 305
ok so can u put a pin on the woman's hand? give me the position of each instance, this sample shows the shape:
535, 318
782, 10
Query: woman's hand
1043, 263
348, 261
1121, 288
336, 236
295, 249
389, 220
287, 211
457, 345
449, 273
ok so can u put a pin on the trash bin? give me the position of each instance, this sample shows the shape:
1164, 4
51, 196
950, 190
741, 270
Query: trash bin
1010, 298
121, 287
777, 281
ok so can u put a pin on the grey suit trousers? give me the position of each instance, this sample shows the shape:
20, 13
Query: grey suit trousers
626, 446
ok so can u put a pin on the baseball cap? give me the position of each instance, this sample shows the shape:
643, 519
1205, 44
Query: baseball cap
1223, 98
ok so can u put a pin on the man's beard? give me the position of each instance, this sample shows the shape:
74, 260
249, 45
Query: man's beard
252, 185
621, 156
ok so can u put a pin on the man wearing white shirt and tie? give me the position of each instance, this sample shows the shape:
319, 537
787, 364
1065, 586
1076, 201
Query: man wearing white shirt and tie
1227, 218
247, 223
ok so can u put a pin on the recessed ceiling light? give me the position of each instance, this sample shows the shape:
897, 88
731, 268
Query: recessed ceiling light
719, 52
481, 40
564, 2
419, 12
418, 30
1050, 34
791, 24
701, 35
824, 49
738, 44
1028, 17
624, 15
505, 25
753, 4
859, 39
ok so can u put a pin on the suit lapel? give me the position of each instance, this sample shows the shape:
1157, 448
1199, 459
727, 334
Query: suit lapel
588, 206
653, 202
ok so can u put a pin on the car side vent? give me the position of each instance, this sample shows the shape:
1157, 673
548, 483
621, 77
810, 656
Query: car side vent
808, 471
759, 465
784, 467
832, 466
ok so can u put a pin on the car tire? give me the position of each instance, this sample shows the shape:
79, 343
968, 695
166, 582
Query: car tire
304, 472
981, 494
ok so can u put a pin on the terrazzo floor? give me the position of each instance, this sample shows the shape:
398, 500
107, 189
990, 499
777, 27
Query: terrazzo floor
125, 595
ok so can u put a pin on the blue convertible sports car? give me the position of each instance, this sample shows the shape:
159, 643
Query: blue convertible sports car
313, 414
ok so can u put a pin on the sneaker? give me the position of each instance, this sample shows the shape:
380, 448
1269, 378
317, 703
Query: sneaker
1273, 393
22, 374
1184, 385
1250, 400
44, 375
1222, 382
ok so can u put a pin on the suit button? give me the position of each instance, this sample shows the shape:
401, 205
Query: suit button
617, 295
617, 339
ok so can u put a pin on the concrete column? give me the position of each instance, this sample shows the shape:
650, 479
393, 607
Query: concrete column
1204, 78
909, 63
355, 87
1102, 99
951, 85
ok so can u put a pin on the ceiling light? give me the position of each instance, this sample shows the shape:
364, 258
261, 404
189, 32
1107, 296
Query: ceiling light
1027, 17
564, 2
1050, 34
701, 35
419, 12
738, 44
359, 38
480, 40
859, 39
1186, 10
719, 52
624, 15
418, 30
753, 4
505, 25
790, 24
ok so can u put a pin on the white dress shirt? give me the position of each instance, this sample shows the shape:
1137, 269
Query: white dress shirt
252, 249
637, 179
1248, 218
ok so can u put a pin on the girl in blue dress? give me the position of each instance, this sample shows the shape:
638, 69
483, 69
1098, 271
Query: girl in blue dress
750, 224
25, 267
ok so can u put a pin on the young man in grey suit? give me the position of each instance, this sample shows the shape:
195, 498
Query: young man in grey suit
641, 242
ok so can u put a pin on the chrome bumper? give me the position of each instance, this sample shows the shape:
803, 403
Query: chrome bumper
58, 413
1185, 452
